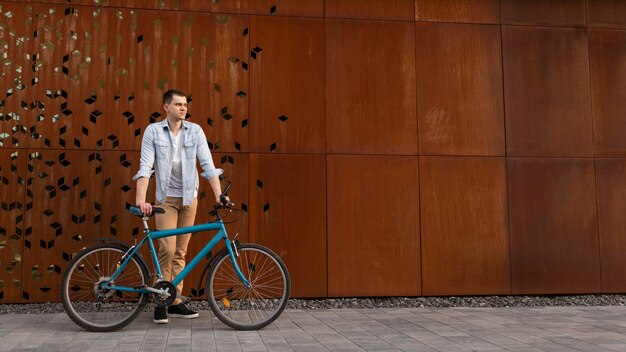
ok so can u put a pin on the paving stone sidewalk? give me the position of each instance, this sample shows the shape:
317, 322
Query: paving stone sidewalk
401, 329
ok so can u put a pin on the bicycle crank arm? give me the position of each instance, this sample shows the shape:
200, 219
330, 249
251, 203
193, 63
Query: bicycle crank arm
163, 291
157, 291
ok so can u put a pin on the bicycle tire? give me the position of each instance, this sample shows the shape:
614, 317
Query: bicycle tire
113, 310
241, 308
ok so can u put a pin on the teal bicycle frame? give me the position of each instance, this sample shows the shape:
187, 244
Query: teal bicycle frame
152, 235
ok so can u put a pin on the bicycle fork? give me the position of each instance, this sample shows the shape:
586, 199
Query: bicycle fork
234, 254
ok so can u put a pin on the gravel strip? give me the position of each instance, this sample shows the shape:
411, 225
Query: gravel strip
466, 301
388, 302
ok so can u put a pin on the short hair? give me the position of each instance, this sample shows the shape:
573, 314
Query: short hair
167, 96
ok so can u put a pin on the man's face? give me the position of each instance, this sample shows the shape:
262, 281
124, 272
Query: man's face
177, 108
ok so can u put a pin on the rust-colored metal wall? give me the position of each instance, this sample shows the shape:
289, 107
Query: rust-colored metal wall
381, 147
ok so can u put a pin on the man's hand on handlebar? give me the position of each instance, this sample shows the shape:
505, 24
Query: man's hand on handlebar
146, 208
223, 202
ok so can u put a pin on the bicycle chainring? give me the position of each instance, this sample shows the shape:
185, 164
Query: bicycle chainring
164, 300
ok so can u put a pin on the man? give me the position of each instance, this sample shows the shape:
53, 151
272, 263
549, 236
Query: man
172, 147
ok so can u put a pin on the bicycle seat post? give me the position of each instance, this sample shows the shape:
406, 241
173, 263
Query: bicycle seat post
145, 224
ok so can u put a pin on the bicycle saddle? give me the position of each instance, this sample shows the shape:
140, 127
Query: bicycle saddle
137, 212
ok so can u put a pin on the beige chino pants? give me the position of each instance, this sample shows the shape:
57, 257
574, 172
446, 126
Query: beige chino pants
172, 249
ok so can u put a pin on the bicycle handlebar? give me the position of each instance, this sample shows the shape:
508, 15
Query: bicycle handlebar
223, 201
225, 189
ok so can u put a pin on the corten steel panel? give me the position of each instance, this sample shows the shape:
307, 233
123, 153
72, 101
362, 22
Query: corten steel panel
566, 13
607, 54
64, 207
373, 230
287, 213
371, 9
235, 170
606, 13
465, 11
611, 181
464, 223
70, 56
287, 85
214, 71
547, 92
77, 2
12, 187
460, 99
370, 87
223, 6
144, 56
306, 8
553, 226
147, 4
16, 74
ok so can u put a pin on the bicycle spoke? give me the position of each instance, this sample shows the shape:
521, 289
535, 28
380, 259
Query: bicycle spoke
276, 290
261, 276
267, 282
228, 276
88, 269
250, 294
260, 270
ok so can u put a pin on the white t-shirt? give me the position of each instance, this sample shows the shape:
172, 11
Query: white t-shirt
175, 188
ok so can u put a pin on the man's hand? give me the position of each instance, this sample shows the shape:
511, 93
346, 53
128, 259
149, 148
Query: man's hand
225, 202
146, 208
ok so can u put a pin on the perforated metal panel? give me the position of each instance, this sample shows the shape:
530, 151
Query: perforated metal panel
70, 54
214, 73
63, 208
17, 75
287, 101
12, 225
287, 213
143, 62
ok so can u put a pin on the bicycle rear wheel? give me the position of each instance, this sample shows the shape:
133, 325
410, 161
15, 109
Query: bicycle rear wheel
87, 303
251, 308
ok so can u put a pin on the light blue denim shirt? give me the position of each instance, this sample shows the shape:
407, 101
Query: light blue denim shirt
157, 154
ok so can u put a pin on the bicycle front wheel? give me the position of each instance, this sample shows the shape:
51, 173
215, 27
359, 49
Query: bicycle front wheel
91, 306
251, 308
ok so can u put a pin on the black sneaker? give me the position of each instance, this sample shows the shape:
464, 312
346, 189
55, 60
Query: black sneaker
181, 311
160, 315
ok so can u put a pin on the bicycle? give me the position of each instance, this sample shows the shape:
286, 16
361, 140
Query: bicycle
106, 286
